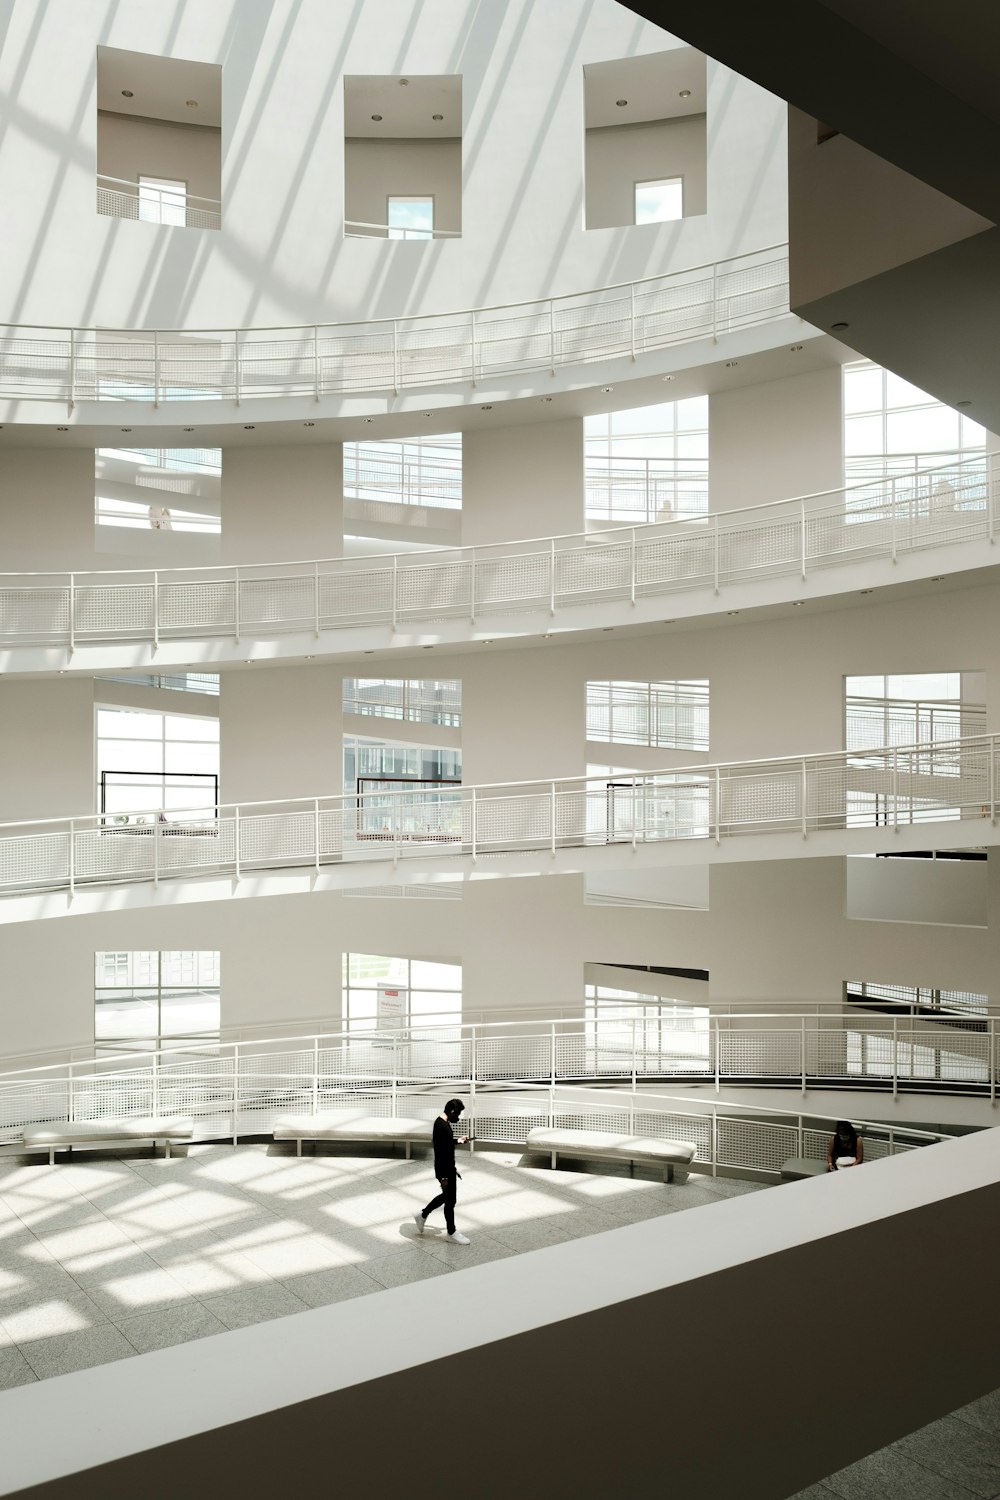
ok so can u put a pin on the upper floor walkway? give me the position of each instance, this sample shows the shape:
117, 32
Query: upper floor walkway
903, 527
939, 794
371, 366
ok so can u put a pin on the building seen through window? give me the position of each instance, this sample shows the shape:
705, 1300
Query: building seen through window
144, 999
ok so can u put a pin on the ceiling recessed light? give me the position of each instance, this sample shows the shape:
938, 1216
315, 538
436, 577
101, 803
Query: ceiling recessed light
189, 429
249, 661
621, 103
369, 419
428, 413
938, 578
795, 349
486, 643
963, 403
546, 398
684, 94
437, 117
731, 364
310, 658
606, 628
867, 591
127, 94
668, 622
368, 653
309, 424
668, 377
732, 611
607, 389
191, 103
839, 327
403, 82
376, 117
249, 427
62, 429
126, 429
797, 603
486, 408
427, 648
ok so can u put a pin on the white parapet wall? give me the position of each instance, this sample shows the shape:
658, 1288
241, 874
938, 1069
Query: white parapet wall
501, 1372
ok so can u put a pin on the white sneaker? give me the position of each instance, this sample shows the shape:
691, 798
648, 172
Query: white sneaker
458, 1238
420, 1222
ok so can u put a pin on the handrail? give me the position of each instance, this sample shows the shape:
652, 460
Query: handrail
402, 231
937, 782
543, 576
183, 195
382, 355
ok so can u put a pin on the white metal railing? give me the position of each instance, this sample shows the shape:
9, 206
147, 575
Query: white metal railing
121, 198
908, 721
153, 517
641, 490
358, 229
181, 682
661, 715
885, 788
402, 474
200, 460
407, 699
515, 1076
394, 354
547, 577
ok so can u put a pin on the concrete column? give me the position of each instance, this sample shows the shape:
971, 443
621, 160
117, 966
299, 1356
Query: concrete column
523, 481
772, 441
523, 716
283, 503
280, 732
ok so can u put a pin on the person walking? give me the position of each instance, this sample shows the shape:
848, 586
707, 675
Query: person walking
445, 1171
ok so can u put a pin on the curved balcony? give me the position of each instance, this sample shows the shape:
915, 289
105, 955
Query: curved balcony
616, 577
936, 794
395, 355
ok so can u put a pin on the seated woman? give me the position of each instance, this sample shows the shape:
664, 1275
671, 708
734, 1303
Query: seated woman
846, 1148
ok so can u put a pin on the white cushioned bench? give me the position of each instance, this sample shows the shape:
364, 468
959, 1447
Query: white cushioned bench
600, 1145
57, 1135
345, 1125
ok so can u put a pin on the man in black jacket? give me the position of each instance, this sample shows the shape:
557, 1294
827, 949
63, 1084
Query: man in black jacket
445, 1171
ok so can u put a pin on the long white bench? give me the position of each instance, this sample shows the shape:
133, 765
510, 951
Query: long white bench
58, 1135
798, 1167
600, 1145
345, 1125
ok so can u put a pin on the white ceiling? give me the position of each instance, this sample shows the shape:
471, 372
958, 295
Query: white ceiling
407, 110
160, 87
651, 84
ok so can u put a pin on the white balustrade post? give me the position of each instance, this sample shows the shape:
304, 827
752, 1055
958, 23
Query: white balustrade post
473, 316
236, 1093
895, 1058
71, 1101
236, 603
72, 857
715, 1141
802, 529
395, 358
635, 817
156, 1084
72, 613
991, 488
475, 831
236, 838
895, 789
715, 552
718, 1056
237, 373
552, 576
156, 850
553, 817
632, 568
892, 522
993, 1059
801, 1141
472, 1088
804, 795
395, 1074
472, 586
395, 592
634, 1056
156, 611
803, 1057
631, 317
718, 806
715, 304
552, 1056
315, 1083
72, 369
552, 339
316, 830
991, 751
316, 599
156, 369
317, 380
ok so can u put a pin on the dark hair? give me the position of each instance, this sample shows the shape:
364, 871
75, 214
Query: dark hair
454, 1106
846, 1132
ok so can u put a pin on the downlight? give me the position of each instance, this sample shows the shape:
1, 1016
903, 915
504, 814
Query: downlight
839, 327
621, 103
684, 94
127, 94
376, 117
437, 117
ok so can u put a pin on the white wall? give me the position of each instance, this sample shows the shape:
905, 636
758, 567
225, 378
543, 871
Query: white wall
619, 156
374, 170
522, 481
775, 440
918, 890
282, 502
129, 147
280, 257
280, 733
46, 749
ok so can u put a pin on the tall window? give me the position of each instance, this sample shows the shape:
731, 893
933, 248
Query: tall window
148, 761
410, 217
385, 993
427, 701
144, 998
370, 760
663, 715
659, 200
667, 1035
648, 464
891, 427
162, 200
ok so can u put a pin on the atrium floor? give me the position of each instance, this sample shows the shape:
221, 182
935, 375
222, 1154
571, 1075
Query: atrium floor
102, 1257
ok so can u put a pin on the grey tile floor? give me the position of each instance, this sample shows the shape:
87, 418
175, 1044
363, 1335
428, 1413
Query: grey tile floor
103, 1257
952, 1459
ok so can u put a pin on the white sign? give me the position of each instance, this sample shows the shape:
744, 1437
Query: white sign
390, 1007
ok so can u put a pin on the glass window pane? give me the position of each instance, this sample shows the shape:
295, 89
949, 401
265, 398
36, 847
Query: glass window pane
932, 430
899, 392
411, 218
125, 1015
863, 435
426, 975
189, 1012
122, 724
862, 388
187, 727
660, 200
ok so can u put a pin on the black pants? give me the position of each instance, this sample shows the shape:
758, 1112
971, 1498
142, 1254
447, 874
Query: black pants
446, 1200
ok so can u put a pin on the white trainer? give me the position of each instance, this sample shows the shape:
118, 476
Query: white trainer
420, 1222
458, 1238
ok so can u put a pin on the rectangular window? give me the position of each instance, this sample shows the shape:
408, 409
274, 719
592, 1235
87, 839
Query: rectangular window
649, 463
410, 217
663, 715
659, 200
142, 999
914, 999
419, 702
149, 763
383, 993
162, 200
661, 1035
159, 489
